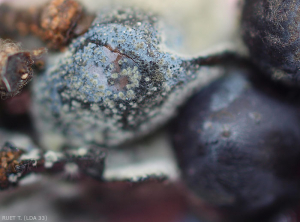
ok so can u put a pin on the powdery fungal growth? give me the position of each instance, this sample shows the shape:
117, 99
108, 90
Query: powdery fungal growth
270, 29
115, 83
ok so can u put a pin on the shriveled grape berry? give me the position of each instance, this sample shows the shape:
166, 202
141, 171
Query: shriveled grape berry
270, 29
116, 82
238, 145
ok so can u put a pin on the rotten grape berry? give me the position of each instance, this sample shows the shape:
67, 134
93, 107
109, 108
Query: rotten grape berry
117, 82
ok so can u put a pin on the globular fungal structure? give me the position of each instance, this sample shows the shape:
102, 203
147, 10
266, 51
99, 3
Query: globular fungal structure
237, 143
117, 82
270, 30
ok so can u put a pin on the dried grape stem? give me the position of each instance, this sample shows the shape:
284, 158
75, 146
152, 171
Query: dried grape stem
224, 58
15, 67
56, 23
16, 163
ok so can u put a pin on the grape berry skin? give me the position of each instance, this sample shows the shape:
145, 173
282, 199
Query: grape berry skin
270, 29
238, 145
116, 82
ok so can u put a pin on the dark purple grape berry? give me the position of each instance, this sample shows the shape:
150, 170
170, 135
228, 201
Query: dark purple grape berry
270, 29
238, 144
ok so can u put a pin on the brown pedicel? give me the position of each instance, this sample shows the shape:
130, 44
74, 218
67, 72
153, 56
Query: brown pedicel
56, 23
15, 67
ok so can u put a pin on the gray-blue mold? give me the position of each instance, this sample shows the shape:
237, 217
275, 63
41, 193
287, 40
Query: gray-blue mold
116, 83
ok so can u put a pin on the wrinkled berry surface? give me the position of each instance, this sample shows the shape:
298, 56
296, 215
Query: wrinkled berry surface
270, 29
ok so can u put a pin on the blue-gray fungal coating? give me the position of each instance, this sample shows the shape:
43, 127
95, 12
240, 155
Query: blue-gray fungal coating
115, 83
